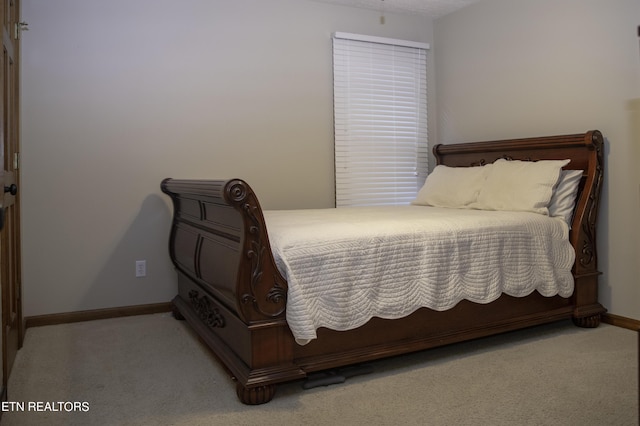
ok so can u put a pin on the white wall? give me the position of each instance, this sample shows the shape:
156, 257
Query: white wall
517, 68
119, 94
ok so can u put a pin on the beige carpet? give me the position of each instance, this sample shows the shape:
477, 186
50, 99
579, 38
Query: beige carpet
152, 370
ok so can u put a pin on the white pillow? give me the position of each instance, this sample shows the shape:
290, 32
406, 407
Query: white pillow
454, 187
564, 195
517, 185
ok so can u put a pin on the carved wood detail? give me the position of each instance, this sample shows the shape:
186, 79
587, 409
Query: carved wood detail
268, 302
483, 162
588, 258
208, 314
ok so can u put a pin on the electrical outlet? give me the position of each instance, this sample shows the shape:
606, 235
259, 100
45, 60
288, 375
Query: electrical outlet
141, 268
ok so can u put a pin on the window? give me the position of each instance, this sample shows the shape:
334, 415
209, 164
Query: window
380, 119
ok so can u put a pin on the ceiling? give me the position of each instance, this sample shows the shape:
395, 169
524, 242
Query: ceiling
429, 8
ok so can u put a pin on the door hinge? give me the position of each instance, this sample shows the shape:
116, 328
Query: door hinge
19, 27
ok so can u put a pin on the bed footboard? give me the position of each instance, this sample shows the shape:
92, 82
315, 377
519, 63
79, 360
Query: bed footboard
229, 289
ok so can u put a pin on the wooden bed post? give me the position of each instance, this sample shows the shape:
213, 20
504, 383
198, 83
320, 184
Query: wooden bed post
588, 311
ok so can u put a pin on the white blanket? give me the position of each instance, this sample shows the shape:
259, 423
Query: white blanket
347, 265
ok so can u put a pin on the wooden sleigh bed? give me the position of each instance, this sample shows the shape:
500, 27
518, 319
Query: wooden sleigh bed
233, 295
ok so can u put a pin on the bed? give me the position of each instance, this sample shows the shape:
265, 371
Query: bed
233, 292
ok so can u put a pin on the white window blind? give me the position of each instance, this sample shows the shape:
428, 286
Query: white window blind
380, 118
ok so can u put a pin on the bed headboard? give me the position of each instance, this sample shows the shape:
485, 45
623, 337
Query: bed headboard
586, 153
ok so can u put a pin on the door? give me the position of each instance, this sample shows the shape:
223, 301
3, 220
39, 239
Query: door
10, 262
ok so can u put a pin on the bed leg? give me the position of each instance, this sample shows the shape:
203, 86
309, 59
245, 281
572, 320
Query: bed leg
255, 395
592, 321
176, 313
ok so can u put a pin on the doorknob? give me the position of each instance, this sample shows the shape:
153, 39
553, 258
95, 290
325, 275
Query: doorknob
12, 189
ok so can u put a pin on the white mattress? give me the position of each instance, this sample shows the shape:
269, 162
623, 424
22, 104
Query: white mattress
347, 265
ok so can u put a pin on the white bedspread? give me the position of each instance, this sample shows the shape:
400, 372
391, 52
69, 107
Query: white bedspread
347, 265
